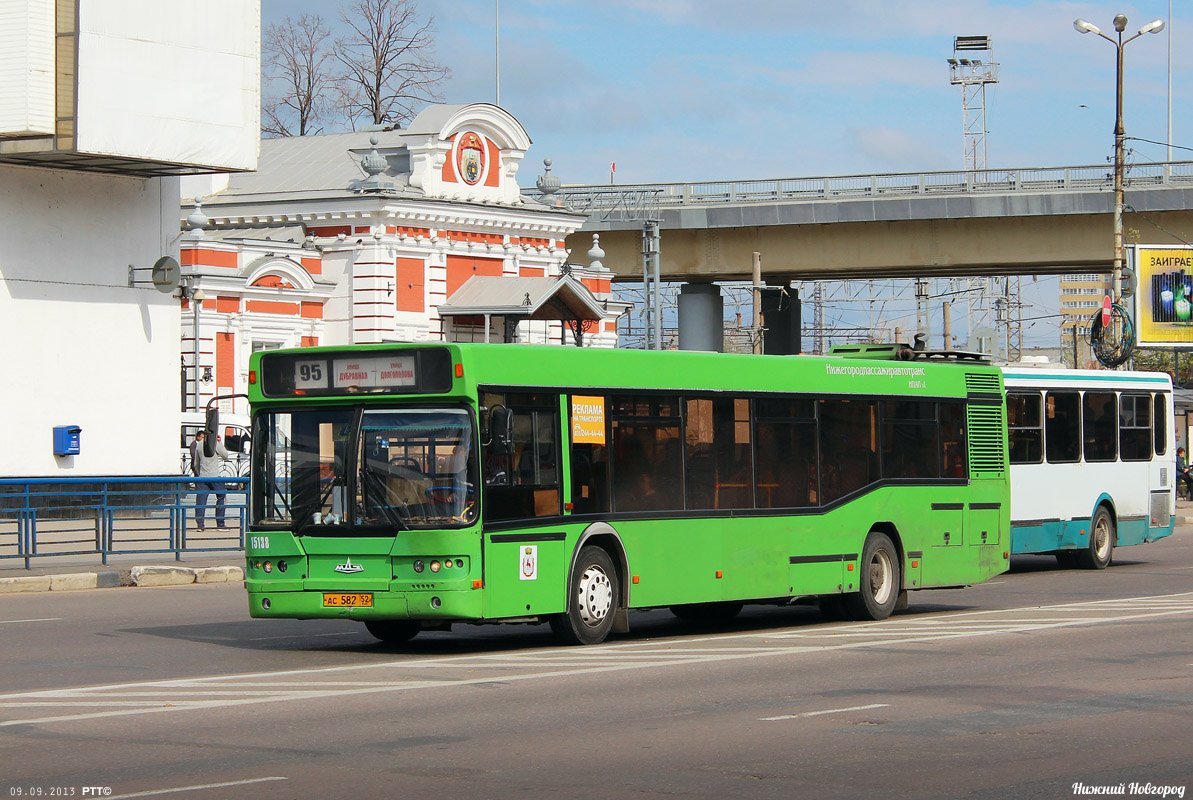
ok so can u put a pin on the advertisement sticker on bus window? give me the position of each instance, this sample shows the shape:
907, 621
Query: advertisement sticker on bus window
529, 562
376, 371
588, 419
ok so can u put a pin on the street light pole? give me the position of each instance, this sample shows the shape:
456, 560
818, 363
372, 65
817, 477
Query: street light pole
1120, 25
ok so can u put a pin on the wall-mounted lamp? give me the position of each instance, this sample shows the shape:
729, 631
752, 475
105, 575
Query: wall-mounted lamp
206, 375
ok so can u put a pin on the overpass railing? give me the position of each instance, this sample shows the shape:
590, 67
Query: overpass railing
113, 516
612, 199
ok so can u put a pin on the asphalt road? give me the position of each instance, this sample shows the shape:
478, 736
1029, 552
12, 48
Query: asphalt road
1043, 683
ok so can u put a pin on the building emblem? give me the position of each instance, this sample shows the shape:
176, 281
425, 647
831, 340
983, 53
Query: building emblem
470, 158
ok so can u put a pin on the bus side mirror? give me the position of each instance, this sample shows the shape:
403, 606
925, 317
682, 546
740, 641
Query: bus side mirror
211, 427
501, 429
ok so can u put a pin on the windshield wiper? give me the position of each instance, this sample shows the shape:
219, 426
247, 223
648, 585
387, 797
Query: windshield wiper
395, 518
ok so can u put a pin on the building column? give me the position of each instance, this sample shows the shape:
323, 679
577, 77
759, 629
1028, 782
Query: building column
701, 317
372, 301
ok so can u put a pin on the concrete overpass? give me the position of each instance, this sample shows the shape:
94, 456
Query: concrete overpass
990, 222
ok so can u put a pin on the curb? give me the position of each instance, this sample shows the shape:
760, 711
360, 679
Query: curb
137, 576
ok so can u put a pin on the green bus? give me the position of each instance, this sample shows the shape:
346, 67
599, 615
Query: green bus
411, 487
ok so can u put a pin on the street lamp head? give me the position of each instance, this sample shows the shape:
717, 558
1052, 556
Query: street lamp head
1155, 26
1085, 27
1120, 23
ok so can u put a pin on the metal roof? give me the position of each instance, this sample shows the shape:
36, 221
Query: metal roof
328, 163
531, 298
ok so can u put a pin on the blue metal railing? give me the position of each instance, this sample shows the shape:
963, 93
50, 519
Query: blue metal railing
114, 516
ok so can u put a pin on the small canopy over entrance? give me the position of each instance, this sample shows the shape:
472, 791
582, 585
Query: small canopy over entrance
516, 299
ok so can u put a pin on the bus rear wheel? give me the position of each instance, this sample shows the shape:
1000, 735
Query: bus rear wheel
879, 578
393, 631
592, 599
1100, 550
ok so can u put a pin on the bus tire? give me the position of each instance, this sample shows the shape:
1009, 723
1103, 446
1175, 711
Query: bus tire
593, 590
708, 612
879, 580
393, 631
1098, 553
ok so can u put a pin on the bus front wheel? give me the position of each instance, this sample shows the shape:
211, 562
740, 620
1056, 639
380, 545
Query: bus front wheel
879, 580
592, 599
1100, 550
393, 631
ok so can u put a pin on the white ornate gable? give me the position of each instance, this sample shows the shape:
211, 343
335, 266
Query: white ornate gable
466, 152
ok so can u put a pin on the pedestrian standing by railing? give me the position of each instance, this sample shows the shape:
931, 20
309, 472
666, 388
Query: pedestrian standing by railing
205, 467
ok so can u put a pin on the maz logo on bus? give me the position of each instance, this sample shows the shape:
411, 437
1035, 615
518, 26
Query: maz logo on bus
348, 567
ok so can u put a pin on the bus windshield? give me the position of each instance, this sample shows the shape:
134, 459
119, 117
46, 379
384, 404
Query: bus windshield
387, 468
417, 468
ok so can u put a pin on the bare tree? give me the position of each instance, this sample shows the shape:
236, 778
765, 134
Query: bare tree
388, 62
298, 81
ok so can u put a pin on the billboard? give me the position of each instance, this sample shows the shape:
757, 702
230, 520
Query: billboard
1164, 297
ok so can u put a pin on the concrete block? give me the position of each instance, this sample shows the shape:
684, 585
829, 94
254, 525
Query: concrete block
31, 583
72, 582
162, 576
219, 575
107, 579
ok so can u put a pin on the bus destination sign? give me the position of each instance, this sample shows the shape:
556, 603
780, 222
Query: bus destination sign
372, 372
418, 371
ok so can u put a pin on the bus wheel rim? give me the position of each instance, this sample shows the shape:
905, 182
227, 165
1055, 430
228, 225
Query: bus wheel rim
1102, 538
880, 576
595, 595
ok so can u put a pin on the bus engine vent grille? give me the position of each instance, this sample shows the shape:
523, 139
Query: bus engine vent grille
1161, 509
977, 382
987, 451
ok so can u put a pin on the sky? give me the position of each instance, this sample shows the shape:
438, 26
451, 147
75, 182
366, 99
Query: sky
693, 90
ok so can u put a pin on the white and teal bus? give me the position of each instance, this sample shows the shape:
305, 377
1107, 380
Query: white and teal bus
1093, 461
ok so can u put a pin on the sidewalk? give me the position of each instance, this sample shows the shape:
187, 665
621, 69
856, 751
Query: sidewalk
71, 573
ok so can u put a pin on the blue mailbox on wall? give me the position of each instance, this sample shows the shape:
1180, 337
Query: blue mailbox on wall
66, 440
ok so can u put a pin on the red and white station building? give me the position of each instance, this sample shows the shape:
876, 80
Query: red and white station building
374, 236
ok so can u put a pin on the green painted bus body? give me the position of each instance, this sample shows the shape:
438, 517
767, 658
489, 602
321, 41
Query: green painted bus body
951, 534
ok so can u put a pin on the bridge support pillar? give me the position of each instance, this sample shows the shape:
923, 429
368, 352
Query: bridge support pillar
701, 317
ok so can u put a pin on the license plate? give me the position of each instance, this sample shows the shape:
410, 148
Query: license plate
348, 599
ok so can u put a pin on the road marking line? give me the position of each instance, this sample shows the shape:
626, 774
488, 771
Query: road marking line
902, 632
193, 788
43, 619
822, 713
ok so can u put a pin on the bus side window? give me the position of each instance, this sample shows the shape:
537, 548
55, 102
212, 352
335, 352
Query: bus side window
1160, 423
847, 446
953, 445
1025, 431
647, 457
522, 481
1062, 427
1099, 420
1135, 427
787, 462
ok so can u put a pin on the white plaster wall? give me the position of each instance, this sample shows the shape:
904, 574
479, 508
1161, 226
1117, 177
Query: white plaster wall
77, 345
